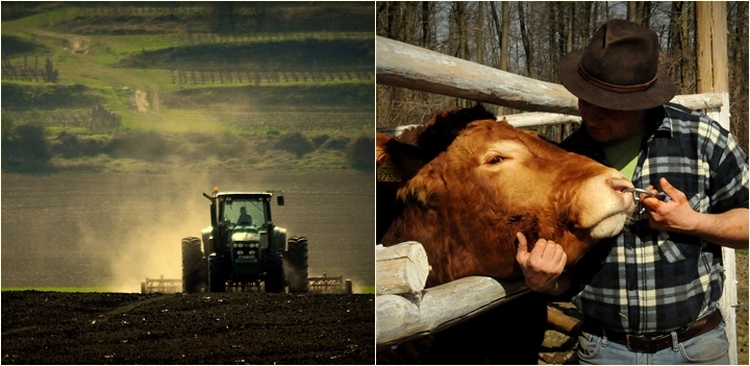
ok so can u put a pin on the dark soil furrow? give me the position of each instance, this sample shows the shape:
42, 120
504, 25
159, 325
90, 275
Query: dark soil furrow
91, 328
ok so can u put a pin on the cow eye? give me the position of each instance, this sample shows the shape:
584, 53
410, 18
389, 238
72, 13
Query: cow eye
495, 159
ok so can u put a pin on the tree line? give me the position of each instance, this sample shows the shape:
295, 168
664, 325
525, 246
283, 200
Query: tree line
528, 38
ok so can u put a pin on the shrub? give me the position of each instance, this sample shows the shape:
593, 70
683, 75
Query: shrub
143, 145
295, 143
70, 145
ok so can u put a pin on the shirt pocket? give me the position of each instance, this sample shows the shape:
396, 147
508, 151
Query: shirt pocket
675, 249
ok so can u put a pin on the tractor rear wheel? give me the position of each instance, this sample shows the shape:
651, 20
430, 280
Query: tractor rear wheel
274, 281
193, 269
296, 265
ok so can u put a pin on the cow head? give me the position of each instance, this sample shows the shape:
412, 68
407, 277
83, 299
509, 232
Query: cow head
464, 184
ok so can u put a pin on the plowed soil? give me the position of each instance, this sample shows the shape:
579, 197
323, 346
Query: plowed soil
226, 328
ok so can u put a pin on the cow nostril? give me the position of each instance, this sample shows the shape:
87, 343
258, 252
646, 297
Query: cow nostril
620, 185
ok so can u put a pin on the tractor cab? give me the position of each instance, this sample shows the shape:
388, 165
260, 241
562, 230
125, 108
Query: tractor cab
244, 210
235, 216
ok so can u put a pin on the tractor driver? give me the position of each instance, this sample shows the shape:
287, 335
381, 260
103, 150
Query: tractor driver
245, 218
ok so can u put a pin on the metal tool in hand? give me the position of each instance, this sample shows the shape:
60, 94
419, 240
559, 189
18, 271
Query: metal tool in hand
638, 191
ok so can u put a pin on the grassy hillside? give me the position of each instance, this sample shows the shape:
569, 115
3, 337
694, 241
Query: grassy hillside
150, 85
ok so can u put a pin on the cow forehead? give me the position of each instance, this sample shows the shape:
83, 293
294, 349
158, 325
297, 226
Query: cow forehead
501, 135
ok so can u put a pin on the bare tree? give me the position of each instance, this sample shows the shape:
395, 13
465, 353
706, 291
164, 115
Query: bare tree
526, 42
529, 38
426, 16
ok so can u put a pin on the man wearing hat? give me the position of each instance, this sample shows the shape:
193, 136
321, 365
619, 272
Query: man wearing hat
649, 295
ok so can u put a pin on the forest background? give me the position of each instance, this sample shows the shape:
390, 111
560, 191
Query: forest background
528, 38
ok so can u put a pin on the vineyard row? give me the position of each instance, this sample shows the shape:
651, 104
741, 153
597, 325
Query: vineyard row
96, 119
28, 72
259, 78
199, 38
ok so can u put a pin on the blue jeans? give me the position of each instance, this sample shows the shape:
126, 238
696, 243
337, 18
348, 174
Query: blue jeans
710, 348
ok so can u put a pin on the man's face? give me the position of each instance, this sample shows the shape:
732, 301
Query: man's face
606, 125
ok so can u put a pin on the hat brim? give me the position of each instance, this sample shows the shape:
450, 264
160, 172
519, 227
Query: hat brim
663, 90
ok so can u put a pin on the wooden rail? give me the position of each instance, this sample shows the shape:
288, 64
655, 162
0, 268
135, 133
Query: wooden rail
403, 65
406, 310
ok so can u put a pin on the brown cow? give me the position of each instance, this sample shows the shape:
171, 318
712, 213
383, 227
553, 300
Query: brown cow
464, 184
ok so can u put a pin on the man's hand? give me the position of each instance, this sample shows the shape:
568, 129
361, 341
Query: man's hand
542, 265
674, 215
729, 229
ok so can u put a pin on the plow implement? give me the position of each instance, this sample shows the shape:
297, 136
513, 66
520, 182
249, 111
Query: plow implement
330, 285
318, 285
161, 285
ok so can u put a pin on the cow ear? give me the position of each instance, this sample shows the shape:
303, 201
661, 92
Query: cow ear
381, 152
504, 120
395, 160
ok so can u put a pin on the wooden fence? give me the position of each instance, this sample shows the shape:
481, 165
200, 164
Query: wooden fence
28, 72
403, 65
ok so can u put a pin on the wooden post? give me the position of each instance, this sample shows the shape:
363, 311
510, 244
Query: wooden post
711, 36
401, 269
561, 322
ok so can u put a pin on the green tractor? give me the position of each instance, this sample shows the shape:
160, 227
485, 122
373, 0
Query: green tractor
243, 249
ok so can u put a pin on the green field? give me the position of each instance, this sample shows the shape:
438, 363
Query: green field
146, 86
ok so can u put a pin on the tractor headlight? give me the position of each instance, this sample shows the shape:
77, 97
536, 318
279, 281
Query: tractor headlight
243, 236
240, 252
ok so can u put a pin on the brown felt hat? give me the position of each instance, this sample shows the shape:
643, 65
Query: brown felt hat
618, 69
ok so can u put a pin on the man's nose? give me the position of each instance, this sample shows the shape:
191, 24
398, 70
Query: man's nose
596, 115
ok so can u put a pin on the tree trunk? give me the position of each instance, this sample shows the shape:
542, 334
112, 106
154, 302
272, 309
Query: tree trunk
479, 33
526, 43
426, 24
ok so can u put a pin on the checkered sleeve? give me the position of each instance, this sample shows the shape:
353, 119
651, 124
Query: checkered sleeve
728, 178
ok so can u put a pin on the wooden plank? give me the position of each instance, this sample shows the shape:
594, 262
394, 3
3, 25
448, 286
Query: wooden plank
400, 318
407, 66
706, 102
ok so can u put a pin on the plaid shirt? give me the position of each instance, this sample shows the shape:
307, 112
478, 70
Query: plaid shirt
648, 281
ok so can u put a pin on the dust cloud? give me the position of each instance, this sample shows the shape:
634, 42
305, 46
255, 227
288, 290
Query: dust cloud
146, 241
115, 230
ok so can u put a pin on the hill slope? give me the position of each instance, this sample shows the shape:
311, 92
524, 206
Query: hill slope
87, 83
